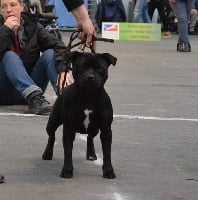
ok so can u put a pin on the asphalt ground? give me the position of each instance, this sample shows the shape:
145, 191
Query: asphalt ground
154, 92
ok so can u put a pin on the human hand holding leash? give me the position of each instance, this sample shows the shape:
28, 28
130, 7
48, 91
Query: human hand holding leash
84, 23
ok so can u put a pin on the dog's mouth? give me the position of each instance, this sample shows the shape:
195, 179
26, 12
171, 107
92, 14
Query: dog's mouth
90, 84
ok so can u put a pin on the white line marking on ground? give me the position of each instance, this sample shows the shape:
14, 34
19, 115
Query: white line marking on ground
21, 115
131, 117
116, 195
116, 116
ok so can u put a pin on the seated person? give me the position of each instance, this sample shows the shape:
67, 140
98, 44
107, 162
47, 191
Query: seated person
24, 74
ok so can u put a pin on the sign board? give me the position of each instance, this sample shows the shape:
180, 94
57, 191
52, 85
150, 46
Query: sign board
131, 31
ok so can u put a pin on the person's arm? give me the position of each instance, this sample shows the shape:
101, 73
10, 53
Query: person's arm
6, 37
70, 5
84, 23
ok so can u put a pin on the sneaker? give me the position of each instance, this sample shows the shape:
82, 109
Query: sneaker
37, 104
183, 47
166, 34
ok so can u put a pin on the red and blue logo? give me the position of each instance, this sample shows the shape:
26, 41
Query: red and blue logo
110, 27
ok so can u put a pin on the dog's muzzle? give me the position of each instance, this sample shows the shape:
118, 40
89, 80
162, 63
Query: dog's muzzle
90, 77
90, 82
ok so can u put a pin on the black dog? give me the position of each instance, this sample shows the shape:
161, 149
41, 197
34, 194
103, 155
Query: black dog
86, 108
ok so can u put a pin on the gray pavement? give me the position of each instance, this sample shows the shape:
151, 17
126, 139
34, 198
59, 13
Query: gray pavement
154, 91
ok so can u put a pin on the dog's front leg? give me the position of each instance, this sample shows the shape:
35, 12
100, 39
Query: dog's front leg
106, 140
53, 123
68, 138
48, 153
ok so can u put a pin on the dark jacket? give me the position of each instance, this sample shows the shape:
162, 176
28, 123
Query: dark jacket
33, 39
71, 4
196, 4
110, 11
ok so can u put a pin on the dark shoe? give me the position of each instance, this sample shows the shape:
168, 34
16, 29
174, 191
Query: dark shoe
183, 47
179, 46
2, 179
187, 48
37, 104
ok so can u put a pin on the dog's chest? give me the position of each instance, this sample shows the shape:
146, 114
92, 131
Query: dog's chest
87, 120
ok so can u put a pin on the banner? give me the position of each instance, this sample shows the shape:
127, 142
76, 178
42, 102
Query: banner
131, 31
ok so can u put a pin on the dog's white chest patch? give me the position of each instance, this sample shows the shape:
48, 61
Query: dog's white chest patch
86, 121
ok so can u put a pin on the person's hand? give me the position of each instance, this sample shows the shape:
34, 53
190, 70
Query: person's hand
173, 1
85, 24
64, 79
13, 23
88, 32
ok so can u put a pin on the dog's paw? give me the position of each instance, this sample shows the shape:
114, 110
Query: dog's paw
109, 175
91, 157
47, 155
66, 174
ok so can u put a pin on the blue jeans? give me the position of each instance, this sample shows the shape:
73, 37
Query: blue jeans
16, 84
141, 12
182, 9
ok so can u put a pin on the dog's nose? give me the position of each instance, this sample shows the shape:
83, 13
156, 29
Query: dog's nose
90, 77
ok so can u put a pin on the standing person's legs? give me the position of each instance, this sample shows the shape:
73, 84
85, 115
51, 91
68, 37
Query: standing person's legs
180, 11
145, 14
189, 5
164, 18
193, 21
151, 8
138, 11
155, 16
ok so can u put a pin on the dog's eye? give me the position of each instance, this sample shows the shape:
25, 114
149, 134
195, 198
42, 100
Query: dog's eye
100, 70
81, 69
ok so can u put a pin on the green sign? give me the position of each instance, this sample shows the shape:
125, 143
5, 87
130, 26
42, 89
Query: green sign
132, 31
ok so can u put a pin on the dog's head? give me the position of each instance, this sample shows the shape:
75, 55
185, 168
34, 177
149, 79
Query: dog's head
90, 70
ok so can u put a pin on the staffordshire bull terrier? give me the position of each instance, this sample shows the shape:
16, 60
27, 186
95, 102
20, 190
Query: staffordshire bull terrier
84, 107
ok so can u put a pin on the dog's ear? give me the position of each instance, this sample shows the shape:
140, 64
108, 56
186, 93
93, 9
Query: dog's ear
69, 56
110, 59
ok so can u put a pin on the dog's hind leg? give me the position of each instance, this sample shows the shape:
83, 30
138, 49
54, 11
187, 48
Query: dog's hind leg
106, 140
90, 153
